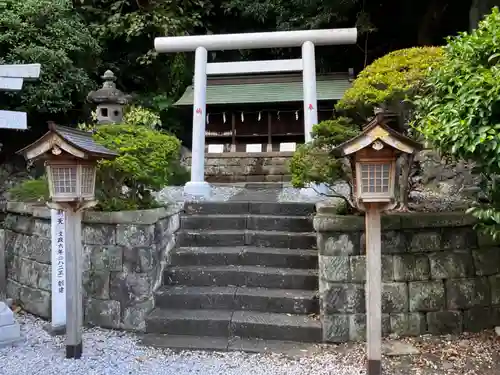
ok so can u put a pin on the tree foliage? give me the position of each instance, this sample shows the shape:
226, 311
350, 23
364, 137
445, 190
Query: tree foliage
314, 162
460, 113
390, 80
50, 33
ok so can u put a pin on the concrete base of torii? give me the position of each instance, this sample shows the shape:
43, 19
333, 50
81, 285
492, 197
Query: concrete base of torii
10, 331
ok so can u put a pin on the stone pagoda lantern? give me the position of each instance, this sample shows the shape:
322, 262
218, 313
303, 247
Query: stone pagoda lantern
109, 100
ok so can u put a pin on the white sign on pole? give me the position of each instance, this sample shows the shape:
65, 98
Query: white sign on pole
13, 120
58, 269
26, 71
11, 84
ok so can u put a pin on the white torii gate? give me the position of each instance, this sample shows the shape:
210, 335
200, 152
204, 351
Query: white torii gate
198, 187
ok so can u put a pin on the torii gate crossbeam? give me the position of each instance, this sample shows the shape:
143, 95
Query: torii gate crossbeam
307, 39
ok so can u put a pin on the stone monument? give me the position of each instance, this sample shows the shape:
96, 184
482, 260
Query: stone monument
10, 331
109, 100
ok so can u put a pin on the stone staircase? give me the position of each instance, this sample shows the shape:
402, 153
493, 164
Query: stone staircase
244, 277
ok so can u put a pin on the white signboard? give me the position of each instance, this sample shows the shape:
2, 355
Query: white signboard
254, 147
288, 146
215, 149
11, 84
58, 268
13, 120
26, 71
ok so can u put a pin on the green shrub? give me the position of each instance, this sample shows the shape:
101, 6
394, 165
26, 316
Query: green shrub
390, 80
313, 162
36, 190
460, 113
147, 161
145, 164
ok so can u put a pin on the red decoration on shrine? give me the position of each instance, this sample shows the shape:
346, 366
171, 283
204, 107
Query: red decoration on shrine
198, 111
311, 107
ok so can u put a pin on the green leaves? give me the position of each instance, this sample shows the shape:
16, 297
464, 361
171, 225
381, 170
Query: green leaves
392, 78
460, 113
50, 33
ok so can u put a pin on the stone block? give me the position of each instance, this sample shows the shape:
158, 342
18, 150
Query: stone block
394, 297
357, 326
487, 261
338, 244
444, 322
34, 248
134, 317
98, 234
411, 267
12, 263
451, 265
129, 288
26, 275
167, 225
495, 290
485, 240
13, 289
35, 301
96, 284
358, 268
424, 241
408, 324
343, 298
42, 228
478, 318
466, 293
459, 239
135, 235
22, 224
436, 220
391, 242
104, 314
338, 223
140, 259
10, 331
334, 268
106, 258
426, 296
335, 328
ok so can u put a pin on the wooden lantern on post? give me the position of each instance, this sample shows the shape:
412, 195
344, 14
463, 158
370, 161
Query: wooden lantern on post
71, 158
373, 155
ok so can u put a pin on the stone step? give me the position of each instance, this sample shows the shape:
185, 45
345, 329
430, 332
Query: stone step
244, 256
288, 240
245, 324
237, 298
189, 322
250, 222
254, 208
250, 276
272, 326
206, 343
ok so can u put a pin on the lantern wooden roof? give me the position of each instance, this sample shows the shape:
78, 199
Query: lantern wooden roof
76, 143
377, 129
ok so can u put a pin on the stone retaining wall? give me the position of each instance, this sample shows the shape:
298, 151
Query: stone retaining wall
439, 276
124, 257
246, 167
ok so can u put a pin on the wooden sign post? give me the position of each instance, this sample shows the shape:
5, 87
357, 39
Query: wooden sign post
373, 154
373, 289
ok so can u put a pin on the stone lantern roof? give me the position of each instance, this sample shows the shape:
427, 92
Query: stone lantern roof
108, 94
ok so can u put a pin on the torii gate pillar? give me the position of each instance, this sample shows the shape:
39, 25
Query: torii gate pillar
198, 187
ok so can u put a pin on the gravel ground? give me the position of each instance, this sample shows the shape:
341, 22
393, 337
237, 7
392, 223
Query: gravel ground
172, 194
290, 194
117, 353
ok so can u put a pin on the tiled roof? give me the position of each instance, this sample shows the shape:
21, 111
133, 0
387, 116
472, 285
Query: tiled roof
332, 88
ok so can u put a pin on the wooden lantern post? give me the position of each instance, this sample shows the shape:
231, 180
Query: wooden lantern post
70, 159
373, 155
